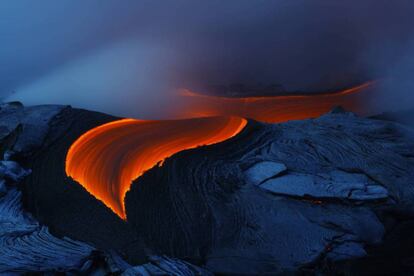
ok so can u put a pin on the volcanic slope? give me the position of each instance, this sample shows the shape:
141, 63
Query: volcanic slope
275, 198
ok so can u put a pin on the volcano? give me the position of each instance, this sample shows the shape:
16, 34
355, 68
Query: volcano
222, 194
106, 159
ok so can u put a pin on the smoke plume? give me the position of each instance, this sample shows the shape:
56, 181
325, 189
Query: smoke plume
129, 57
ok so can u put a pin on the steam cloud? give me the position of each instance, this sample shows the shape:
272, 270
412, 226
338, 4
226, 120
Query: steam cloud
128, 57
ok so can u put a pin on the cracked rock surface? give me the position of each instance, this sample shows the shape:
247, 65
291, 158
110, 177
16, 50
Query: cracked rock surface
328, 195
262, 171
335, 184
27, 246
279, 198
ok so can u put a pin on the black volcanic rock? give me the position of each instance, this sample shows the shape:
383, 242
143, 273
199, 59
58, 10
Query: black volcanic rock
64, 205
341, 171
25, 245
331, 195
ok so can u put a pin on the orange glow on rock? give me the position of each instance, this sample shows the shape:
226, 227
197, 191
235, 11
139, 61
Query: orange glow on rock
272, 109
106, 159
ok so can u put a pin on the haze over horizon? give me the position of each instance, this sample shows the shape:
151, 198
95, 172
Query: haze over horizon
127, 58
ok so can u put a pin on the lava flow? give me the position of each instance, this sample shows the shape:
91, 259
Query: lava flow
274, 109
106, 159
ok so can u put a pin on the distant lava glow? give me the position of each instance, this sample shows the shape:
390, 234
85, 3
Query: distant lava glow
274, 109
106, 159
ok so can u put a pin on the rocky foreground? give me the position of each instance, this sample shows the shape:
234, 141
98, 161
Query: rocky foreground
328, 195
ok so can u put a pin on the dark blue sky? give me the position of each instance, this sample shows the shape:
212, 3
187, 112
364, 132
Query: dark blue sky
124, 56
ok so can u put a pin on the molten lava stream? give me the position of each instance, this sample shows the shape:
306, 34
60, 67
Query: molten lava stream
273, 109
105, 160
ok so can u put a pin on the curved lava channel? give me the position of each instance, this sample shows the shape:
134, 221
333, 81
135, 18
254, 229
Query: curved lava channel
106, 159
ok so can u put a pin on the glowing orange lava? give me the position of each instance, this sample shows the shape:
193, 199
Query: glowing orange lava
272, 109
106, 159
